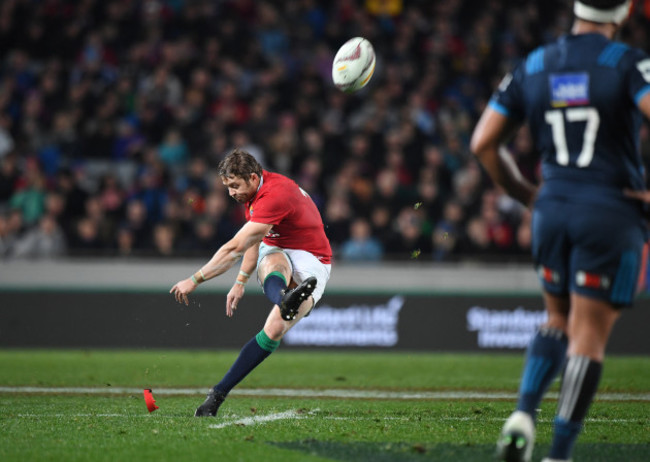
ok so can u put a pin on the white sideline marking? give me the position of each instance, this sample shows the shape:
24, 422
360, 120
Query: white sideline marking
343, 393
264, 418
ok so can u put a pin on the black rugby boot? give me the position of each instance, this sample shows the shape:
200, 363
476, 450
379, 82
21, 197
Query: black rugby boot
211, 405
292, 299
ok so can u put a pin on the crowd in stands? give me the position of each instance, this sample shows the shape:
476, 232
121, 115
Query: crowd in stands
115, 113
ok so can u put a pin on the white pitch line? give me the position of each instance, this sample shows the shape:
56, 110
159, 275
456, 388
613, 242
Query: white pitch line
246, 421
339, 393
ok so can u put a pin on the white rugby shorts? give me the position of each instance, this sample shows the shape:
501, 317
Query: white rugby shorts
302, 264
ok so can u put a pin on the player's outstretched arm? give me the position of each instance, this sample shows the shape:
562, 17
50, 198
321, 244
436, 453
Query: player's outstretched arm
227, 255
490, 134
248, 265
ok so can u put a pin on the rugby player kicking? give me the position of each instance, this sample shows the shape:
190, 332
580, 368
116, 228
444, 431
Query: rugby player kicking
284, 241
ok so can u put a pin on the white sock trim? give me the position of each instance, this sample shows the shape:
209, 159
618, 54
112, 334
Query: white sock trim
574, 376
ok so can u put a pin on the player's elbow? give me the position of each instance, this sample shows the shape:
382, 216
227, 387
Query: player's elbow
479, 145
240, 244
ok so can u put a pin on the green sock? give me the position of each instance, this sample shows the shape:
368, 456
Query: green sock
266, 343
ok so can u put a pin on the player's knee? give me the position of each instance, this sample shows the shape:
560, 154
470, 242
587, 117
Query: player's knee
275, 329
275, 263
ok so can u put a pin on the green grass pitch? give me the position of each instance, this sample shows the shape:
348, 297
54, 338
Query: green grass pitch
297, 406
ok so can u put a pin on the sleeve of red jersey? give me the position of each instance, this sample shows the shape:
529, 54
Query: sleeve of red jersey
270, 209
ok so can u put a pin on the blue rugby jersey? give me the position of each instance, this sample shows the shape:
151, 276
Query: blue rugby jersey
580, 96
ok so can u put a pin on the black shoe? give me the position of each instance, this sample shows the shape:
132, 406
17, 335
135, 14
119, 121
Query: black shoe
211, 405
292, 299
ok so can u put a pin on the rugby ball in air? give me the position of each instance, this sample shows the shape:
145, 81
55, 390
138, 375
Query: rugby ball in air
353, 65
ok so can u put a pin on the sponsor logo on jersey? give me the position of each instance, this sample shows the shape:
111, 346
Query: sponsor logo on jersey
272, 234
250, 210
569, 89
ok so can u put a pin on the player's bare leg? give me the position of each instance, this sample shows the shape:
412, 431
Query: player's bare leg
590, 323
275, 326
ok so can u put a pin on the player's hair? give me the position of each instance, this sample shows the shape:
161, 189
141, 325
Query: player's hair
239, 163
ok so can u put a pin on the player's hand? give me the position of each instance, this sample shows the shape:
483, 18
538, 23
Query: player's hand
234, 296
643, 196
182, 289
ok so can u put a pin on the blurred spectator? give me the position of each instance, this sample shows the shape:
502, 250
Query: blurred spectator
241, 140
6, 140
125, 241
151, 191
337, 220
111, 196
45, 241
381, 222
68, 184
8, 177
468, 188
410, 241
499, 230
204, 240
196, 177
29, 197
173, 150
55, 207
136, 221
429, 196
283, 144
435, 168
128, 141
218, 210
361, 246
105, 226
448, 232
477, 239
388, 191
310, 179
164, 240
86, 240
162, 89
6, 238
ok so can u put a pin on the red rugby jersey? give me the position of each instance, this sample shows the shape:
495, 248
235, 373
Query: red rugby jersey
297, 224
